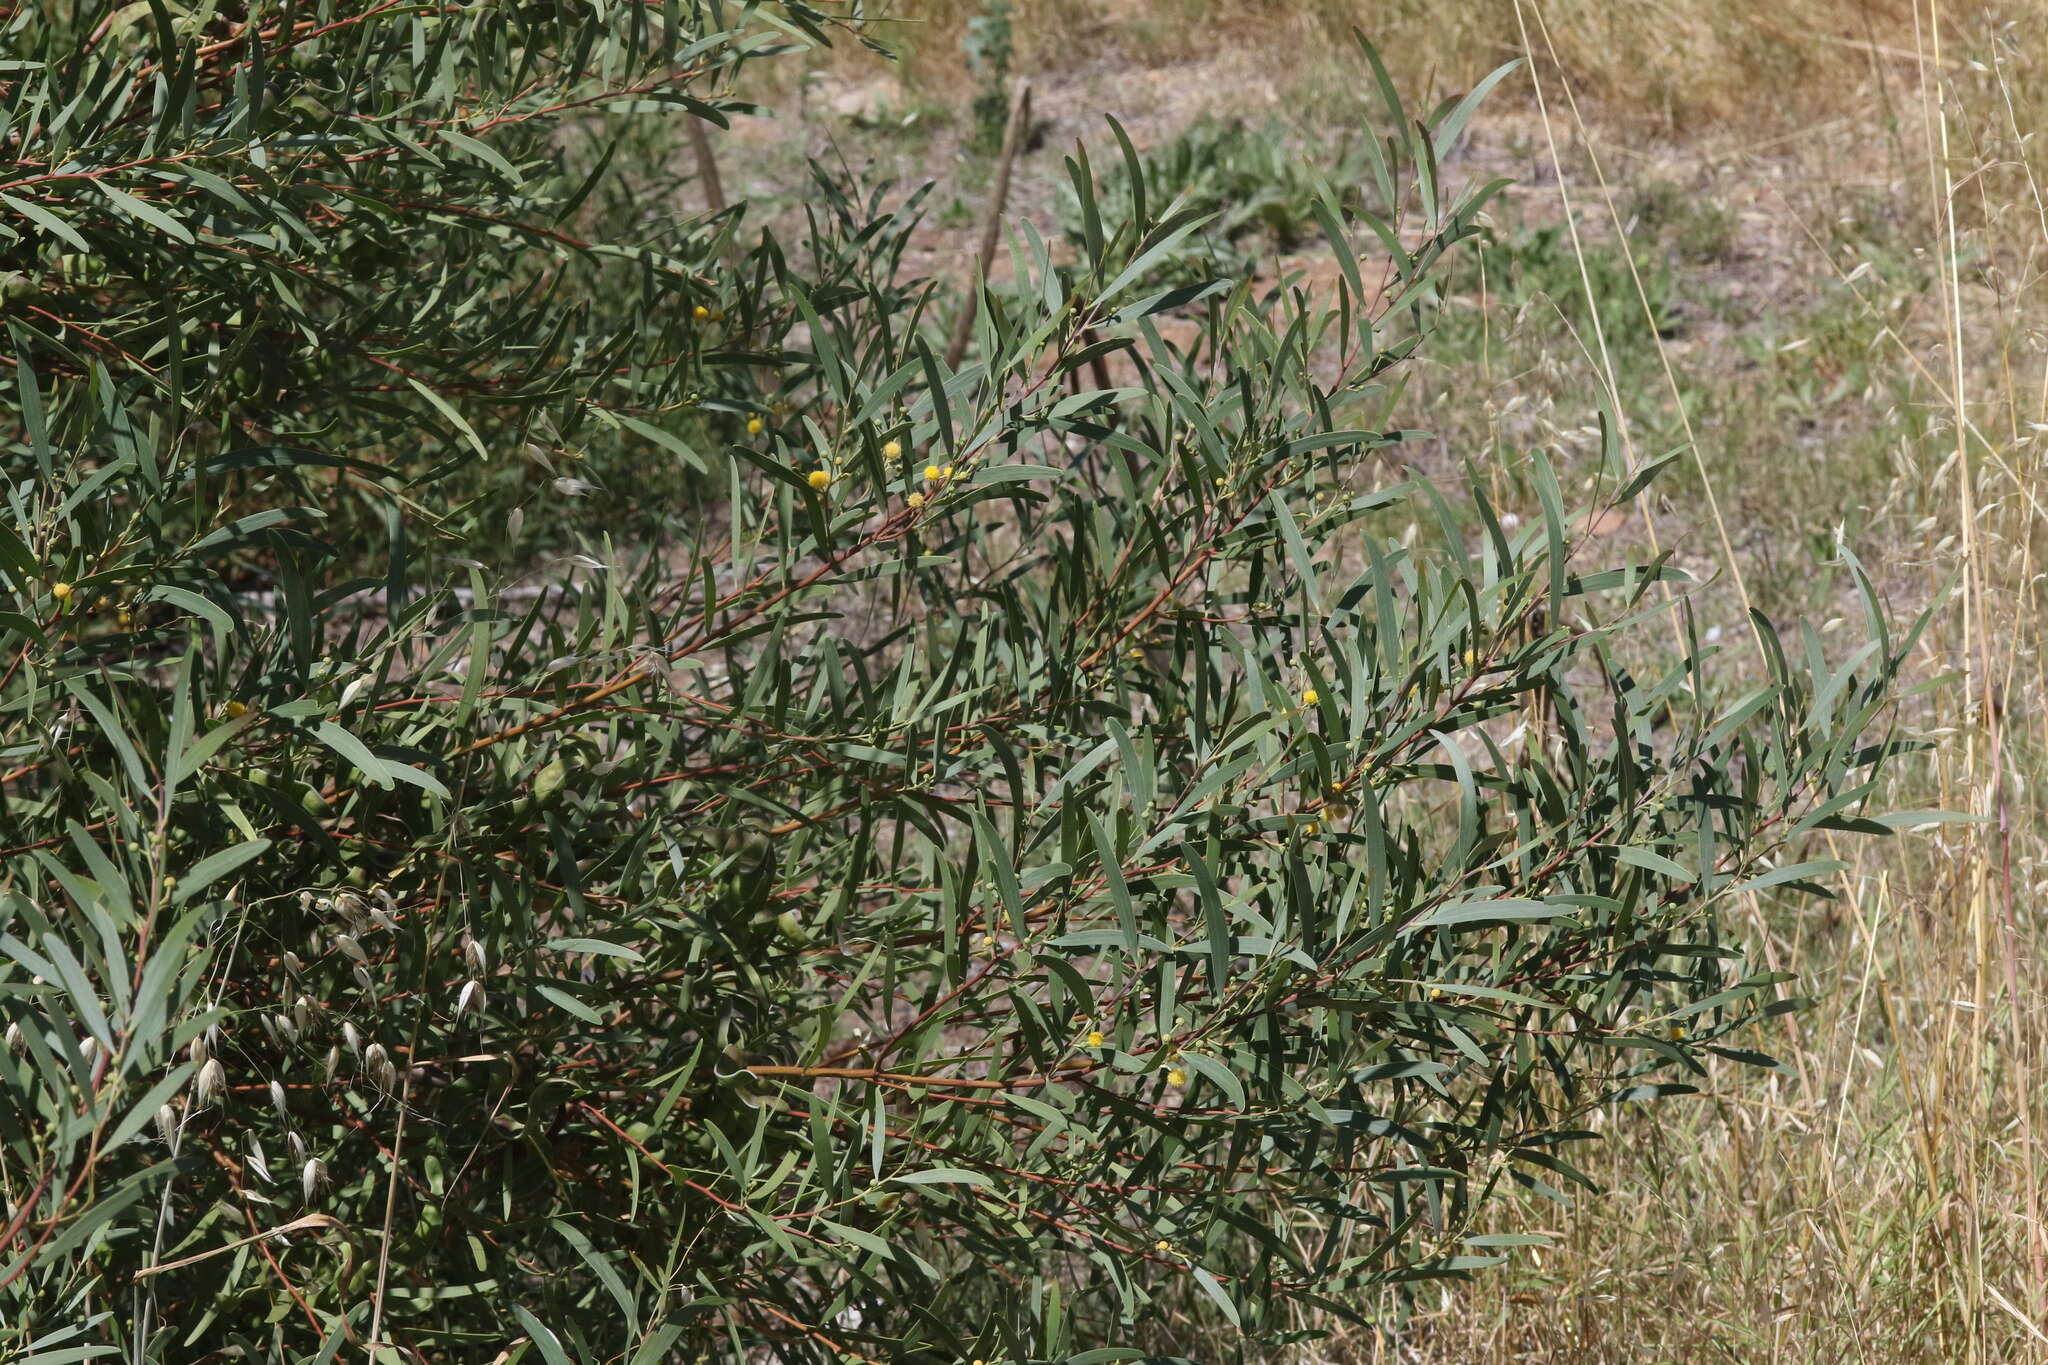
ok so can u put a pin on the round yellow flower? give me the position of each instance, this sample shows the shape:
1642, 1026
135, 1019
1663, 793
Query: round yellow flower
701, 313
1176, 1077
124, 617
1309, 828
933, 472
61, 591
1676, 1031
916, 500
946, 473
820, 479
1162, 1246
234, 710
1311, 697
754, 426
892, 450
1095, 1037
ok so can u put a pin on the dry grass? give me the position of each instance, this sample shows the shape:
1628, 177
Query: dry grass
1675, 65
1849, 201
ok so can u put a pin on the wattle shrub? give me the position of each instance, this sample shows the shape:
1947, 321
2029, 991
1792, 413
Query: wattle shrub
1050, 859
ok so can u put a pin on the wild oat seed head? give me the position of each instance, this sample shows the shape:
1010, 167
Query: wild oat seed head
210, 1083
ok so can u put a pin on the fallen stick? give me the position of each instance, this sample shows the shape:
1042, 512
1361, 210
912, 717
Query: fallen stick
991, 222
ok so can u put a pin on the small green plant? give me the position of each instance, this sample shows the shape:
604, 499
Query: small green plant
990, 44
1700, 230
1252, 185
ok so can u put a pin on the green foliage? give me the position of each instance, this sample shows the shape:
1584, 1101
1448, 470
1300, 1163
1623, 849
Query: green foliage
1251, 181
990, 42
1150, 875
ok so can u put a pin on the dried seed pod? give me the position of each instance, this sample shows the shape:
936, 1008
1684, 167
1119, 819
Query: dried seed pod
210, 1083
280, 1101
89, 1048
471, 998
354, 1039
167, 1124
312, 1176
333, 1067
304, 1012
306, 901
364, 979
258, 1162
473, 955
297, 1145
382, 920
14, 1037
198, 1051
378, 1067
283, 1031
350, 948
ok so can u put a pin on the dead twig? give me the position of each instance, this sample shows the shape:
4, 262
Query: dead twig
991, 222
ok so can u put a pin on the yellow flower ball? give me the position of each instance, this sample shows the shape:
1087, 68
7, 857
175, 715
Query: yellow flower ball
61, 591
1095, 1037
946, 473
124, 617
754, 426
820, 479
701, 313
1436, 992
1311, 697
1176, 1077
1676, 1032
892, 450
1162, 1246
916, 500
933, 472
1309, 828
234, 710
